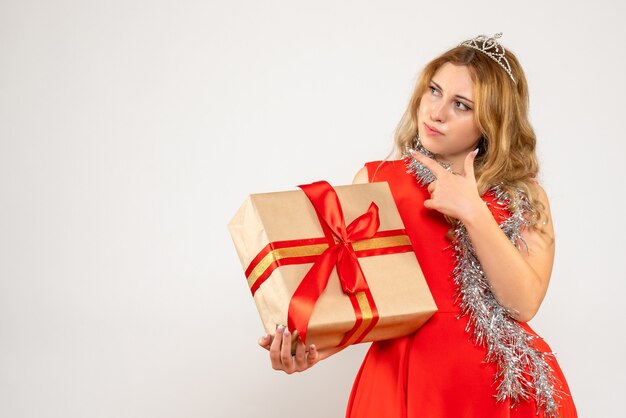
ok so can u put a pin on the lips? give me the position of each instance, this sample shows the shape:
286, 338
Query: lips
432, 131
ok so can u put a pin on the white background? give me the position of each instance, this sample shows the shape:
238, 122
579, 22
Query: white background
131, 131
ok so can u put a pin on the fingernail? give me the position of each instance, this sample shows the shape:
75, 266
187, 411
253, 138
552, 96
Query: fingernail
475, 152
312, 347
286, 333
280, 328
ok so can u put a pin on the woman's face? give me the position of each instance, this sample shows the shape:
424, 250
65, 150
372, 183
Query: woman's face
447, 127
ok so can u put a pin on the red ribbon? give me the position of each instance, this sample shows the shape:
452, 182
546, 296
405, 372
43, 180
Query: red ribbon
339, 253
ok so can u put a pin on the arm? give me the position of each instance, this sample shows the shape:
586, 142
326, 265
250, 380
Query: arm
518, 279
280, 346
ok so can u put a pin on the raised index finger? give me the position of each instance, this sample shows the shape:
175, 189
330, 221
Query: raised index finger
430, 164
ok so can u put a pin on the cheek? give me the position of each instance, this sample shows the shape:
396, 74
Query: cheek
469, 128
422, 111
424, 106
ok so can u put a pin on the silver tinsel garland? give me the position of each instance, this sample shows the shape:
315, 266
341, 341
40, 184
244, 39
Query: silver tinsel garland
522, 370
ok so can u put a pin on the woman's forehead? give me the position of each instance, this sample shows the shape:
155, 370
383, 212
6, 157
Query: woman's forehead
454, 79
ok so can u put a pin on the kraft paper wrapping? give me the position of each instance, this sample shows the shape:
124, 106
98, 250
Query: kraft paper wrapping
397, 284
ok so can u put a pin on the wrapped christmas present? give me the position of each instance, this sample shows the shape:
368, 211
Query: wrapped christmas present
334, 265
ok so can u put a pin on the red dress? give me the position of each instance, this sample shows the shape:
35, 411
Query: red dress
438, 372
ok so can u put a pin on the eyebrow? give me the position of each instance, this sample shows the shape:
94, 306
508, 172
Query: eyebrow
460, 97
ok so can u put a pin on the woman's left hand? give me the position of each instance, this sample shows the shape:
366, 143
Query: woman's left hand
452, 194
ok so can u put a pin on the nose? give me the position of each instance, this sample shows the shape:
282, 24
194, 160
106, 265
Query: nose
437, 111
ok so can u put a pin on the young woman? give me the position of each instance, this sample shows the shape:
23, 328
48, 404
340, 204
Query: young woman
482, 232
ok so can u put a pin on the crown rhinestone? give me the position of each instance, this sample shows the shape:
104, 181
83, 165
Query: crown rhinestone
490, 47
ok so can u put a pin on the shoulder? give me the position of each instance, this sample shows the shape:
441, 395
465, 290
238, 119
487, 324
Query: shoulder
361, 176
379, 170
541, 233
539, 191
366, 172
540, 197
546, 224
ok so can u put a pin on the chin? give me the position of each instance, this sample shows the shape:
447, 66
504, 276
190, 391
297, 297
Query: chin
430, 144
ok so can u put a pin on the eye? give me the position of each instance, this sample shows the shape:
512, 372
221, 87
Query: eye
462, 106
433, 89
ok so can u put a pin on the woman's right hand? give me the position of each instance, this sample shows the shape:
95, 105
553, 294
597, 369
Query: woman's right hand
280, 352
280, 346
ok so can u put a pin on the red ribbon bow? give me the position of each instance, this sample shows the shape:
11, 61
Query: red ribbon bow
339, 253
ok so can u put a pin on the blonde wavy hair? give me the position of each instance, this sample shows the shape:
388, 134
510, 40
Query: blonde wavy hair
507, 147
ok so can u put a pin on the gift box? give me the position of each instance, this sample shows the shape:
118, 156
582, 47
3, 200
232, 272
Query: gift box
333, 264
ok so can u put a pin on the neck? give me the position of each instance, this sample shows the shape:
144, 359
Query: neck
455, 164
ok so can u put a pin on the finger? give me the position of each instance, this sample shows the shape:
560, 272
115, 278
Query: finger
431, 164
313, 355
285, 353
429, 204
300, 356
469, 164
275, 348
265, 341
432, 186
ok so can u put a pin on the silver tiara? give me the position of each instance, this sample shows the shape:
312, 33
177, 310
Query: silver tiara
491, 48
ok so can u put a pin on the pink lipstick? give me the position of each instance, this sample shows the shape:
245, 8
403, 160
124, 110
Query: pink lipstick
431, 131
